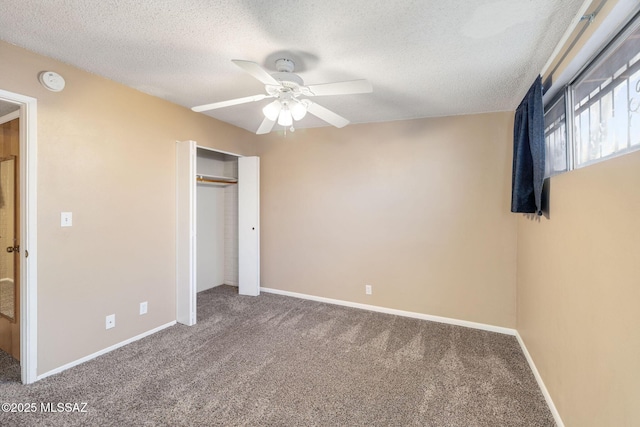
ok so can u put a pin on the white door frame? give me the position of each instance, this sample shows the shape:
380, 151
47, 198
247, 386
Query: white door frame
186, 232
28, 234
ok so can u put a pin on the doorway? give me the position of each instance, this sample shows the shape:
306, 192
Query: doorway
18, 328
9, 239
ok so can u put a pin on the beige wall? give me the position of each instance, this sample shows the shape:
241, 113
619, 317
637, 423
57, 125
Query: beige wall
419, 209
105, 153
579, 290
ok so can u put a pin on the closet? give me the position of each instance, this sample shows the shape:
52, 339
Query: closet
217, 217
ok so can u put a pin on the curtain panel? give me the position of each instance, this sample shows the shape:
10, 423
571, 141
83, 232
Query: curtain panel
528, 153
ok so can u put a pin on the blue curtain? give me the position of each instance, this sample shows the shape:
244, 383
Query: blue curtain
528, 153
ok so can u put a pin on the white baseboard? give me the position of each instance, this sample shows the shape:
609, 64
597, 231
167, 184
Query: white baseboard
543, 388
448, 320
104, 351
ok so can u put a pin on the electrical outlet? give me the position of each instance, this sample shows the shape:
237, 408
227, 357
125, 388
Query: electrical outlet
110, 321
143, 307
368, 289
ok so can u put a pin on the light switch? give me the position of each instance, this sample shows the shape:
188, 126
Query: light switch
65, 219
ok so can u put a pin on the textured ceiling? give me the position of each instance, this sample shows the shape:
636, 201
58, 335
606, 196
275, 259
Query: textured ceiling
7, 107
423, 58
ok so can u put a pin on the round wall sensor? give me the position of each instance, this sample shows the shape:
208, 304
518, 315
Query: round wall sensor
51, 80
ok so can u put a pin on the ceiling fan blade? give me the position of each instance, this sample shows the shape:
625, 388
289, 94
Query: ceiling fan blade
266, 126
256, 71
229, 103
326, 115
340, 88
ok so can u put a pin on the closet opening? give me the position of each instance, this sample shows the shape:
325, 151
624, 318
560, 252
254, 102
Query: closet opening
217, 224
216, 219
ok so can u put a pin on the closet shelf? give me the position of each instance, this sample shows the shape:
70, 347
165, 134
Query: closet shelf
213, 179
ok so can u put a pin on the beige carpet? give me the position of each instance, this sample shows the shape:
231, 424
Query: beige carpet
9, 372
6, 298
279, 361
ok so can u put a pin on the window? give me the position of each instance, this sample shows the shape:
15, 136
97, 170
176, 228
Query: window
555, 138
603, 106
605, 103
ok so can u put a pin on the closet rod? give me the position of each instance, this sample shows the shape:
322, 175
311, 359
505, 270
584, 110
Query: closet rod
216, 181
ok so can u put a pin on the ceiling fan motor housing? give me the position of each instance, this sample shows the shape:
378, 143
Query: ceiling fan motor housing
288, 79
285, 74
284, 65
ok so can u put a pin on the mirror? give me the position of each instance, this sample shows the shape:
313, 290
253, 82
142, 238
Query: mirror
7, 239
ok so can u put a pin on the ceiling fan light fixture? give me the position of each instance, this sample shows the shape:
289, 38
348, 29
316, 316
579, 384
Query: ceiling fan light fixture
298, 111
272, 110
285, 118
287, 88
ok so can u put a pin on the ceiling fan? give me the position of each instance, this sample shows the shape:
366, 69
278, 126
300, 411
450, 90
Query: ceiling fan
290, 95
